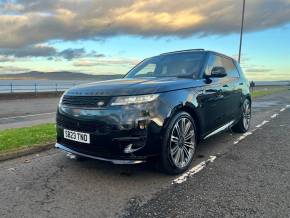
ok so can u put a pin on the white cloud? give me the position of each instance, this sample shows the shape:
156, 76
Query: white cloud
27, 22
50, 52
13, 69
105, 62
4, 58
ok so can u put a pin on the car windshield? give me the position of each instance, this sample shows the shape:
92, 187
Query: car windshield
186, 64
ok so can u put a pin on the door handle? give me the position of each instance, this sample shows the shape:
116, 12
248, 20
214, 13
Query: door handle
225, 86
241, 84
220, 96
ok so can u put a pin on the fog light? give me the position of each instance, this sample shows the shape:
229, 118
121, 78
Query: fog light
130, 148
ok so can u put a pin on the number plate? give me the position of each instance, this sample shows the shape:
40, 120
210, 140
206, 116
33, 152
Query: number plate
76, 136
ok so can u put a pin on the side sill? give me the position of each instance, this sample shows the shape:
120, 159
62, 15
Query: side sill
224, 127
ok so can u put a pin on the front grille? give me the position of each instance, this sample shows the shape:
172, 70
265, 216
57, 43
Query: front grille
82, 126
86, 101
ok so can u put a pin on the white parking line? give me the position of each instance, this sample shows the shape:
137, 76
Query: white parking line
203, 164
24, 116
242, 137
274, 116
259, 126
262, 124
193, 170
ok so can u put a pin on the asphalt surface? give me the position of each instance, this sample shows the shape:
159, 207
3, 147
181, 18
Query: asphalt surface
27, 112
251, 180
248, 176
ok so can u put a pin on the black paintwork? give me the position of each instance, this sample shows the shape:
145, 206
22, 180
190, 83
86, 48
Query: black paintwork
133, 86
212, 102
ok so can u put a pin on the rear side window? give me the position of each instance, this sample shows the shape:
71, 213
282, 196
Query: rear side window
213, 61
230, 67
240, 70
228, 64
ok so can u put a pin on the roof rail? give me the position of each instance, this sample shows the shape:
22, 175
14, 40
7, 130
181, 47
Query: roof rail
180, 51
218, 53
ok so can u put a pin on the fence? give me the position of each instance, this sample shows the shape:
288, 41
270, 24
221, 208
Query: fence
36, 88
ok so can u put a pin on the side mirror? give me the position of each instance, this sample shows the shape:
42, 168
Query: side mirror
218, 72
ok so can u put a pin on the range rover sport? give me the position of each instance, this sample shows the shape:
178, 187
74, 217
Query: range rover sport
161, 109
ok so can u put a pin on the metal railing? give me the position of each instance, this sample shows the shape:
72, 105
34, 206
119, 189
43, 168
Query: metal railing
60, 87
35, 87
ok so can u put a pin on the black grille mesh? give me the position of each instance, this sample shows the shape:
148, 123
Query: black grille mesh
86, 101
79, 125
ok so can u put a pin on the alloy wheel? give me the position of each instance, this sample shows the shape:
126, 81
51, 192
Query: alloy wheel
182, 142
246, 115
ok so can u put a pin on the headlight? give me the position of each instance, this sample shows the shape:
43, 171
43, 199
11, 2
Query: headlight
125, 100
60, 100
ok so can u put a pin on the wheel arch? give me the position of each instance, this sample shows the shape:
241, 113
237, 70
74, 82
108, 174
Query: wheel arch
249, 98
192, 111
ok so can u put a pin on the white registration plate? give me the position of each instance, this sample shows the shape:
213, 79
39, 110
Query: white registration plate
76, 136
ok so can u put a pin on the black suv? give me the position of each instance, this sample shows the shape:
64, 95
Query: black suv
162, 108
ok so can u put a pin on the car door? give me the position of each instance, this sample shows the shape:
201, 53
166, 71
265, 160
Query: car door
212, 100
231, 89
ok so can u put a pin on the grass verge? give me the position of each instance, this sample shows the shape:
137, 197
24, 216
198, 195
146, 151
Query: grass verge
14, 139
267, 91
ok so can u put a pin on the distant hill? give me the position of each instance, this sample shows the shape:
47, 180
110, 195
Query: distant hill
59, 75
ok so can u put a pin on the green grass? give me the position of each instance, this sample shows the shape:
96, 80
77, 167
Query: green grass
268, 91
13, 139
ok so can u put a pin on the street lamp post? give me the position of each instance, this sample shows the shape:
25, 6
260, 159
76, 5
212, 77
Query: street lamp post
242, 29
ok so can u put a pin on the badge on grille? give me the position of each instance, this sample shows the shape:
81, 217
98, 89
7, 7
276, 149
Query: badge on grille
76, 112
100, 103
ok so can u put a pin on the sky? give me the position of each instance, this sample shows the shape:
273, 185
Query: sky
111, 36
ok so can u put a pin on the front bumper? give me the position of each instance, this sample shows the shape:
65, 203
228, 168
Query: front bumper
114, 161
129, 133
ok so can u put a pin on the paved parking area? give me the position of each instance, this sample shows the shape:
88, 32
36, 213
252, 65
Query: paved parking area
251, 180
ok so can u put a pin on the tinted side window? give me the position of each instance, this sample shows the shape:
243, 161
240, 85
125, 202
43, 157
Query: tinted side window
230, 67
240, 70
213, 61
148, 70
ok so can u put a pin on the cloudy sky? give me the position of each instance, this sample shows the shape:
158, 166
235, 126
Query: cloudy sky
110, 36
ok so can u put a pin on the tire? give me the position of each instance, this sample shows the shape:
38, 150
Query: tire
243, 124
179, 144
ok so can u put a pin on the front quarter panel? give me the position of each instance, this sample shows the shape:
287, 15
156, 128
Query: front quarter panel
184, 99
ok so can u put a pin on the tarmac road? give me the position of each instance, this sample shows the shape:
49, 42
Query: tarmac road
234, 175
27, 112
251, 180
